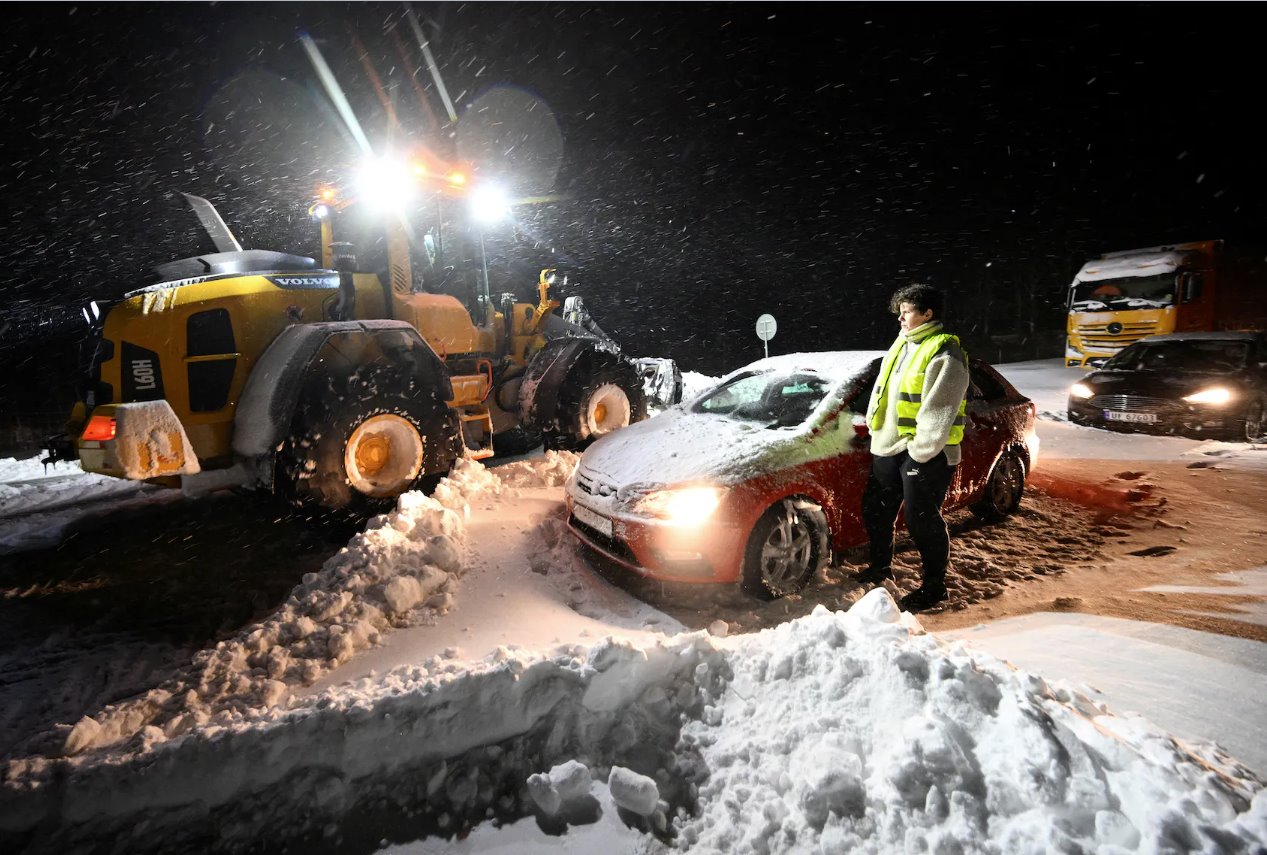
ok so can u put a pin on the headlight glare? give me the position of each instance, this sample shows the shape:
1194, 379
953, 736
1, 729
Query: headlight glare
685, 506
1081, 390
1213, 395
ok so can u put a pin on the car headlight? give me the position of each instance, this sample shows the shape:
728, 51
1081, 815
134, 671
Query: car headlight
685, 506
1081, 390
1213, 395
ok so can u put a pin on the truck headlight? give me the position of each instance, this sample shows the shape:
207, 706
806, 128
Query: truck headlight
1081, 391
684, 506
1214, 395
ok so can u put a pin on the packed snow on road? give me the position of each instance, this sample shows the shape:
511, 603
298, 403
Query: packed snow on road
458, 678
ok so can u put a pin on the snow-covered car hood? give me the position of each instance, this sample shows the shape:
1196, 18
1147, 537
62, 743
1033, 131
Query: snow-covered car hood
680, 447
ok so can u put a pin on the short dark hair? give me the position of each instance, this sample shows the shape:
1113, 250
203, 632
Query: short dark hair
922, 297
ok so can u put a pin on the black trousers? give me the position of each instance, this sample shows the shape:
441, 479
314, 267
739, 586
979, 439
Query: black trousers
921, 487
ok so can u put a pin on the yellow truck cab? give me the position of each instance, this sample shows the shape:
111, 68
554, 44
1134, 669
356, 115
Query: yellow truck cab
1120, 297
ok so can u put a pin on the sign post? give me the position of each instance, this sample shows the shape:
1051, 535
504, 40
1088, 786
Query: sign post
766, 328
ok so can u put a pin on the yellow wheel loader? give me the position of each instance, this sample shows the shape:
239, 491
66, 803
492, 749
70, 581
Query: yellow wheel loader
332, 386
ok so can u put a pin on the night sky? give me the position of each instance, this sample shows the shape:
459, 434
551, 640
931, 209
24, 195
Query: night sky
707, 162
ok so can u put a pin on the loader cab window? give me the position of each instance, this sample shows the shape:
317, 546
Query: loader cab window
209, 336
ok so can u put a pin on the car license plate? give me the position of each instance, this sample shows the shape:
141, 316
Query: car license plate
594, 520
1137, 418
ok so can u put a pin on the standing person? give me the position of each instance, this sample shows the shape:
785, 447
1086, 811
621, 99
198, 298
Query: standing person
916, 419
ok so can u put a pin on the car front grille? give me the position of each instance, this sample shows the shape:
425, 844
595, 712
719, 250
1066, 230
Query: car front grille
1135, 404
588, 481
1098, 336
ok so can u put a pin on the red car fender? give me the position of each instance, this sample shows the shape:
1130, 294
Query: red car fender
746, 502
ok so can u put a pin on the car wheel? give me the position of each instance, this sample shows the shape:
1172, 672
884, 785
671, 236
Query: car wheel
785, 548
1256, 422
1004, 489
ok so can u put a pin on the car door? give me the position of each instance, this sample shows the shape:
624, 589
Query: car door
846, 474
986, 431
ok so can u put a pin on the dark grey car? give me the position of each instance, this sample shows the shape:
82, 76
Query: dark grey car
1198, 384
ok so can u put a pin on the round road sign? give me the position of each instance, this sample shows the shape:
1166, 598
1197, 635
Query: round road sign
766, 327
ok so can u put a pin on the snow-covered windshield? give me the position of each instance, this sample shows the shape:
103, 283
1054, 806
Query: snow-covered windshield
1202, 356
785, 398
1135, 292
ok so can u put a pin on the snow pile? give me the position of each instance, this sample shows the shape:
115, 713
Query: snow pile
28, 486
563, 787
551, 470
857, 732
695, 384
402, 569
429, 748
834, 732
38, 502
30, 468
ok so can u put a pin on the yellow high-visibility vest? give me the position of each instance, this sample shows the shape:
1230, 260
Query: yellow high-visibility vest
911, 387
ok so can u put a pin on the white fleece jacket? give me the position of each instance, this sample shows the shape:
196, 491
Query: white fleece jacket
945, 385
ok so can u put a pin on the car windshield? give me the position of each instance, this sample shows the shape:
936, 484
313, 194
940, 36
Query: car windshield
780, 398
1200, 356
1136, 292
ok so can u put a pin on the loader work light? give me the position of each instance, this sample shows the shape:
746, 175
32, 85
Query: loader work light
489, 204
386, 184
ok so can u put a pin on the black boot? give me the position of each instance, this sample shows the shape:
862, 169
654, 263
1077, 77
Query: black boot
923, 598
874, 576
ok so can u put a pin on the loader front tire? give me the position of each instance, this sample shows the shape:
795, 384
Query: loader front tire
608, 398
359, 440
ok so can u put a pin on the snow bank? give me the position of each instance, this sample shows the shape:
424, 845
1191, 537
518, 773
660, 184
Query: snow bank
38, 502
423, 749
402, 569
28, 486
695, 384
833, 732
857, 732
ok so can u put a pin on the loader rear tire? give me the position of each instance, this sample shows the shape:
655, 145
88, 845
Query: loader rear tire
360, 439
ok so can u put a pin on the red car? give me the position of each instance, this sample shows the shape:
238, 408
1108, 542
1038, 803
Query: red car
759, 479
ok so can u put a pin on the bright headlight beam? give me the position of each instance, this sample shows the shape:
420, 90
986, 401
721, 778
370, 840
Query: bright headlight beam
431, 64
1081, 390
1213, 395
334, 91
